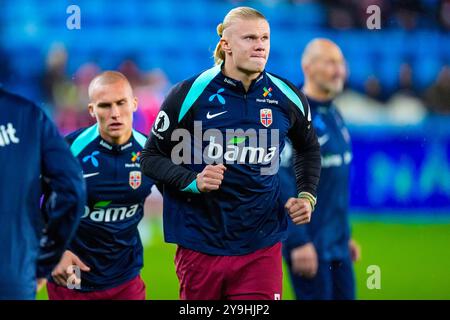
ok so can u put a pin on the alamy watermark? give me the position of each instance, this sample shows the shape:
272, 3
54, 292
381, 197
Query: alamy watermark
74, 20
253, 147
373, 22
374, 280
74, 279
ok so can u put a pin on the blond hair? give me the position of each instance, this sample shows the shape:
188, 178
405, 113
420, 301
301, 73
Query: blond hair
236, 13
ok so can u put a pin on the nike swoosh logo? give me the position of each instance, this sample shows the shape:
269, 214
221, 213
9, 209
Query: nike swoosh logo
323, 139
210, 116
87, 175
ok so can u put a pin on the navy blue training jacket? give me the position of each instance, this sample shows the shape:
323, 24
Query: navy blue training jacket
34, 159
211, 118
329, 229
107, 239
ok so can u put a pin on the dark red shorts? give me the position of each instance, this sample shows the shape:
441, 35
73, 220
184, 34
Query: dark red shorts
131, 290
254, 276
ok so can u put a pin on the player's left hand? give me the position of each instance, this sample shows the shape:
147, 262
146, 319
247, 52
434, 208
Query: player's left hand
355, 250
299, 210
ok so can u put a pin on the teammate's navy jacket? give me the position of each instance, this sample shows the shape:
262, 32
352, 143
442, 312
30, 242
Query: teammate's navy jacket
107, 239
329, 229
244, 214
31, 148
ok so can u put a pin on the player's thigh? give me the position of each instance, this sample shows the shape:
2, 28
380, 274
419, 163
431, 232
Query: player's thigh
200, 276
256, 276
56, 292
131, 290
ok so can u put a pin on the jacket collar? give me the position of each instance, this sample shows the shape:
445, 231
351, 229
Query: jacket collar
236, 85
115, 148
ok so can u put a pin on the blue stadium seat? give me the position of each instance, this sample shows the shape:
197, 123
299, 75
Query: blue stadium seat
179, 36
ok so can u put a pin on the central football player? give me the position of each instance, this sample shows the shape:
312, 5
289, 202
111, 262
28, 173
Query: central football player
223, 210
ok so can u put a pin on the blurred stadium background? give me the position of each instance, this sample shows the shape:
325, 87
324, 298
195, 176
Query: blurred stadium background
396, 102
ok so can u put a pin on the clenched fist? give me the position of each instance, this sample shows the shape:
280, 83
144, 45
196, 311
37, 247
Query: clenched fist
210, 178
299, 210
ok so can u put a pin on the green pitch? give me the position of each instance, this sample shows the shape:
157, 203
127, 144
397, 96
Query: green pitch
413, 257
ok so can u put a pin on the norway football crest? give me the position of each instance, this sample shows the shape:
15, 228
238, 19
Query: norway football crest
265, 116
135, 179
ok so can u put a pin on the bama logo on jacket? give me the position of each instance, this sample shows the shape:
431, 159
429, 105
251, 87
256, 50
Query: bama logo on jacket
103, 212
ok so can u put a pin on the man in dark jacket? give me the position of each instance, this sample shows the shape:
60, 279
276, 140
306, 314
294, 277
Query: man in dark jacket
34, 159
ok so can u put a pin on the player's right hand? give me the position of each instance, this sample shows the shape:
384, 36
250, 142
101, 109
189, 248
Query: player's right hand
299, 209
64, 268
210, 178
304, 260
